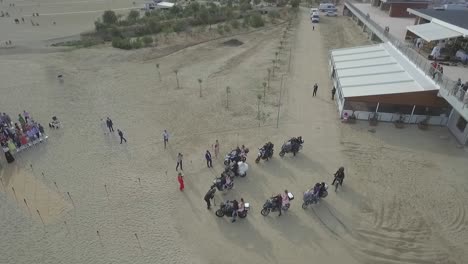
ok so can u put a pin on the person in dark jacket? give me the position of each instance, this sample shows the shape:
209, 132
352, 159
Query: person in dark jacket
339, 176
208, 159
209, 196
235, 207
121, 136
110, 124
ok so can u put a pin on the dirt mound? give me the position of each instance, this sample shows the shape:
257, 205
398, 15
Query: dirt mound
233, 42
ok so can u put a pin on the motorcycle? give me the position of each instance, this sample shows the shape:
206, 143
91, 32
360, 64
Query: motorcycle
220, 183
265, 152
310, 198
239, 169
226, 209
270, 205
235, 155
294, 145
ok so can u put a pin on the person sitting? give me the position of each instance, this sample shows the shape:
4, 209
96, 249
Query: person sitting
235, 207
277, 201
227, 181
285, 199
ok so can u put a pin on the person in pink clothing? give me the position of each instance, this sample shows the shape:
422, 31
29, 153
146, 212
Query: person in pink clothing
180, 179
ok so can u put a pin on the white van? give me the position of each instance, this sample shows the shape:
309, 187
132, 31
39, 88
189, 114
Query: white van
313, 10
315, 17
327, 7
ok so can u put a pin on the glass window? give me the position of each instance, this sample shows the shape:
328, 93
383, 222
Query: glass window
432, 111
360, 106
461, 124
393, 108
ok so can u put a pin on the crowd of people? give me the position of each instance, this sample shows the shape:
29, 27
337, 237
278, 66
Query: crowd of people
16, 135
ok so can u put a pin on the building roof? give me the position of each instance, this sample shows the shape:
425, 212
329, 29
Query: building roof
377, 70
458, 18
407, 1
432, 31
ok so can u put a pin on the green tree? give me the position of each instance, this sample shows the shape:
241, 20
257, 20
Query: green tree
295, 3
109, 17
257, 2
180, 26
133, 16
227, 29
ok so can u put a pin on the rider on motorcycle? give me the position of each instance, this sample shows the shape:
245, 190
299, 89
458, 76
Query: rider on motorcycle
235, 207
339, 176
277, 202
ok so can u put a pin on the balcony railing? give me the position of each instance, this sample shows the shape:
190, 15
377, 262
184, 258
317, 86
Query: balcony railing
446, 84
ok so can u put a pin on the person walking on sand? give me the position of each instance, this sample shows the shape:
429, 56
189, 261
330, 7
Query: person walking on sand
315, 89
333, 93
179, 162
110, 124
165, 138
121, 136
208, 159
216, 149
180, 179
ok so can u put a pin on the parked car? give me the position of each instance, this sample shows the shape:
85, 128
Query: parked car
327, 7
331, 13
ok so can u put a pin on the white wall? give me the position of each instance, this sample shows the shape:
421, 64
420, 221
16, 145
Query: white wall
461, 136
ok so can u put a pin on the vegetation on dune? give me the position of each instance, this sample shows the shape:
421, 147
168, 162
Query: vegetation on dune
132, 31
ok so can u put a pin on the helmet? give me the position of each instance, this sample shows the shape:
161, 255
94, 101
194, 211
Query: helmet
341, 168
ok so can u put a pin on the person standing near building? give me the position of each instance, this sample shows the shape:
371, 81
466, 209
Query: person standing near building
121, 136
110, 124
208, 159
333, 93
179, 162
315, 89
165, 138
180, 179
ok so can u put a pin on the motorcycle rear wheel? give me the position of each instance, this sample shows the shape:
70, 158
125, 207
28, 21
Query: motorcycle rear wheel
304, 205
281, 154
324, 194
219, 213
265, 211
257, 160
242, 215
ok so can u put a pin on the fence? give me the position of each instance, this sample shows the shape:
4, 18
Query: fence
446, 84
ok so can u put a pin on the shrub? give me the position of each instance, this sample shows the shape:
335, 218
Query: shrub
147, 40
235, 24
137, 43
227, 29
133, 16
115, 32
273, 14
220, 29
99, 26
109, 17
180, 26
256, 21
246, 22
153, 26
121, 43
245, 6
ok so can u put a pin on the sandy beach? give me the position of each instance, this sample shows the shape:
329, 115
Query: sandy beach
90, 199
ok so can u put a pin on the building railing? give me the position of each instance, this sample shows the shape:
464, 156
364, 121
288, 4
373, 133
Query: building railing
417, 59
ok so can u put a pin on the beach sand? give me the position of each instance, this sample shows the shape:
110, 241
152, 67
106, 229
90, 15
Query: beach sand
105, 202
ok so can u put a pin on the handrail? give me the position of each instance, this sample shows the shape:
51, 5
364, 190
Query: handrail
419, 61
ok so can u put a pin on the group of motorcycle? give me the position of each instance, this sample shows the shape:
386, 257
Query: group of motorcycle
235, 162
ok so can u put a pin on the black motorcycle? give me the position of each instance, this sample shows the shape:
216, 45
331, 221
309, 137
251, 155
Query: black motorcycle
270, 206
293, 146
309, 198
265, 152
235, 156
226, 209
220, 183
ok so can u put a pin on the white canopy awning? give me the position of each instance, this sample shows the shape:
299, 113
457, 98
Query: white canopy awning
432, 31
